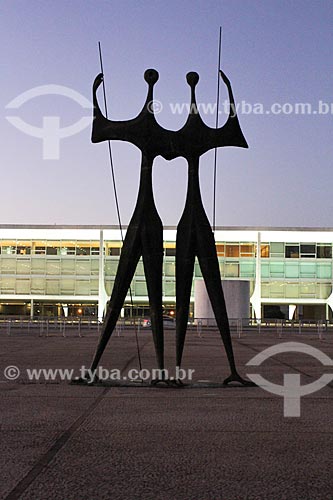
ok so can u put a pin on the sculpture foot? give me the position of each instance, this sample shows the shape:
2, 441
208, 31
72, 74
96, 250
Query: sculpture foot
234, 377
166, 382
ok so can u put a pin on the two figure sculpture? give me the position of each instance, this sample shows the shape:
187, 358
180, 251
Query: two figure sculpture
144, 236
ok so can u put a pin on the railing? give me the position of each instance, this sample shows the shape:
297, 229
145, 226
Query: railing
84, 326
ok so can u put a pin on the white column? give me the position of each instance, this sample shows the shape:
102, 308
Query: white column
102, 295
292, 309
256, 296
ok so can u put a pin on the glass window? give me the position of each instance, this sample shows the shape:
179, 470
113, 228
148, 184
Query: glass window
169, 288
265, 270
94, 287
324, 271
170, 268
83, 248
247, 269
292, 270
67, 286
114, 251
8, 249
277, 249
23, 248
38, 285
111, 266
82, 267
292, 251
140, 288
308, 269
94, 249
197, 270
232, 250
23, 286
170, 252
82, 287
308, 250
324, 290
247, 250
8, 265
139, 269
277, 269
94, 266
23, 266
220, 250
53, 266
292, 290
67, 266
232, 269
307, 290
324, 251
7, 284
264, 250
276, 289
38, 265
52, 287
39, 247
109, 286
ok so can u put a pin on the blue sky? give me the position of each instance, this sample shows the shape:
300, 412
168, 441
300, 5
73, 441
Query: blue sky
273, 52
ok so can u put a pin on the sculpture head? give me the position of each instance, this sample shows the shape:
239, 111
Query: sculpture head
192, 78
151, 76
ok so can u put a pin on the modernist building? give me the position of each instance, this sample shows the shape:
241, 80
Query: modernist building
70, 270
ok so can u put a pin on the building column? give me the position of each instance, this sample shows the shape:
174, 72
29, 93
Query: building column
291, 312
102, 295
31, 308
256, 296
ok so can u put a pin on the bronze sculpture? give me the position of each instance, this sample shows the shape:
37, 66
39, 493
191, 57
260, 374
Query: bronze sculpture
145, 232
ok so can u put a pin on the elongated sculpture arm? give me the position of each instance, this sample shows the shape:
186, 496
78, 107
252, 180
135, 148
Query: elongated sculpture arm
230, 134
104, 129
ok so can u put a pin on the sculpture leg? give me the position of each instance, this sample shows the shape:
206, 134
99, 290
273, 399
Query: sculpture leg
152, 254
211, 273
185, 256
128, 261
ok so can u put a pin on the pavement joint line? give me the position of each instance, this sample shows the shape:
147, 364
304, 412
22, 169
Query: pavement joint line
48, 456
277, 359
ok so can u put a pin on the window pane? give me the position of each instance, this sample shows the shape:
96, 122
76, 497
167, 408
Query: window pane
247, 269
232, 250
277, 269
23, 266
53, 266
324, 271
292, 270
23, 286
232, 269
220, 250
324, 251
52, 287
277, 249
38, 285
307, 270
264, 250
292, 251
8, 266
38, 266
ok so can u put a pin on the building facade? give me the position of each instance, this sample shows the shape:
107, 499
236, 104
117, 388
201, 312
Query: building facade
70, 270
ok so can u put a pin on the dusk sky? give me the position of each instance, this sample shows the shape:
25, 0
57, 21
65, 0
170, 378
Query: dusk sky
277, 54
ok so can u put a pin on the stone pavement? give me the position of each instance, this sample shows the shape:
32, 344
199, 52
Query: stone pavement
71, 442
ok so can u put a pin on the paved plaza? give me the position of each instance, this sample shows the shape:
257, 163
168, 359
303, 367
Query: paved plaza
132, 441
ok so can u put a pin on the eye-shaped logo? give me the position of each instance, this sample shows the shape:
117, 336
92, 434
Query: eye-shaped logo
291, 390
50, 132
